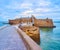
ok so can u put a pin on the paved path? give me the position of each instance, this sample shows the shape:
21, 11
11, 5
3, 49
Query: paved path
10, 40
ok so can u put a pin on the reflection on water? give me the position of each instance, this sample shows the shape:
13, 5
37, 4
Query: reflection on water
50, 38
47, 30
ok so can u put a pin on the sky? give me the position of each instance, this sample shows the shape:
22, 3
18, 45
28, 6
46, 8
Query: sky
11, 9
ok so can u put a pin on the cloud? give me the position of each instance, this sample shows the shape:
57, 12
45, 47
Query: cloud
17, 5
42, 10
26, 5
44, 3
26, 13
18, 8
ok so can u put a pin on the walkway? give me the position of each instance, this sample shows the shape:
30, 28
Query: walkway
10, 39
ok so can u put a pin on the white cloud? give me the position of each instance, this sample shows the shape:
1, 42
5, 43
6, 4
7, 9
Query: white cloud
42, 10
30, 7
26, 5
37, 14
26, 13
16, 5
44, 3
16, 17
29, 13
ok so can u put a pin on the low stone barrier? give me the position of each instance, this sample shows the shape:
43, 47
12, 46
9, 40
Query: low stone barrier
30, 44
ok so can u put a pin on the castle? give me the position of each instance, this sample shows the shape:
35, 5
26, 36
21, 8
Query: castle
36, 22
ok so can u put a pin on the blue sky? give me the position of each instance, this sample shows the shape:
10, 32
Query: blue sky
11, 9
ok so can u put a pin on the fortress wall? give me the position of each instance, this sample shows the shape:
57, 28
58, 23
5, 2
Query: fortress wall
13, 22
37, 22
43, 22
17, 21
24, 20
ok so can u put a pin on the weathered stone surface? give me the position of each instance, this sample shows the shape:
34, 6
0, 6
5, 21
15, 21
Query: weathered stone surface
10, 39
33, 32
43, 22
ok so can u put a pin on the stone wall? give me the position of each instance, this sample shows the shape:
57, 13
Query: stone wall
37, 22
13, 22
24, 20
43, 22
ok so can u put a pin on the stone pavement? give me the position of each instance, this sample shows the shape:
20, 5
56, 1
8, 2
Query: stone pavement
10, 39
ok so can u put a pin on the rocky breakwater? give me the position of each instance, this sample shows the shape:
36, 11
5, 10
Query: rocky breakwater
32, 32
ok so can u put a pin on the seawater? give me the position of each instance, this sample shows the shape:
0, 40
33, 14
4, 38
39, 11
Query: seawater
50, 38
1, 24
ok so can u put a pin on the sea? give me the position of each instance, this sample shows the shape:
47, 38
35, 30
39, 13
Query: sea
1, 24
49, 37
